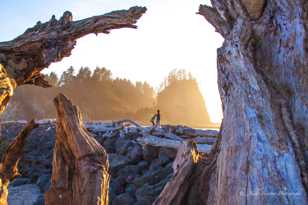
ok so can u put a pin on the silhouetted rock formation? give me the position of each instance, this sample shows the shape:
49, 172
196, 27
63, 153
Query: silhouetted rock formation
181, 102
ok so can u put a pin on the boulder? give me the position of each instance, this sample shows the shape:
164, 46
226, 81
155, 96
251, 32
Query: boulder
149, 152
20, 181
118, 185
124, 199
135, 154
122, 145
27, 194
144, 201
170, 153
154, 177
117, 161
44, 182
143, 165
163, 158
131, 189
109, 144
155, 165
147, 193
129, 171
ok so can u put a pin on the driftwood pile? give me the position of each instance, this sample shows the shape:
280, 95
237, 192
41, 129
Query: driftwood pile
165, 136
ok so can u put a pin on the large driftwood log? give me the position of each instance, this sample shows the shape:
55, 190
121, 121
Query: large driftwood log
9, 165
23, 58
170, 143
80, 169
263, 83
126, 122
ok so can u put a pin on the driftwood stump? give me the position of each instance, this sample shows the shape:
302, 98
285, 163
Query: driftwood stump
9, 165
80, 172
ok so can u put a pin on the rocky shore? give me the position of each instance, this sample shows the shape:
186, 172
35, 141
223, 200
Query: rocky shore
140, 159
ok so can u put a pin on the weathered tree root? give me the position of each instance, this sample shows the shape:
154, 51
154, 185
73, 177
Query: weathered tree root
80, 172
9, 165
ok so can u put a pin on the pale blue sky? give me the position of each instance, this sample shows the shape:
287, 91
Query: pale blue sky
18, 15
170, 35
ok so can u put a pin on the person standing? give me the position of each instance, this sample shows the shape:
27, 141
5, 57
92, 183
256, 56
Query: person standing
155, 120
158, 118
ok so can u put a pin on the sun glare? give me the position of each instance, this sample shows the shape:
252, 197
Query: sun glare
170, 36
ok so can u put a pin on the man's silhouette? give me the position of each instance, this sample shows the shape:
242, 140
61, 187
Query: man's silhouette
156, 119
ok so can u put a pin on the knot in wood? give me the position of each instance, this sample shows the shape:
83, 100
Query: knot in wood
254, 8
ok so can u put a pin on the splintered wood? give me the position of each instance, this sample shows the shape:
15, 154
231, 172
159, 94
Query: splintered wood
80, 172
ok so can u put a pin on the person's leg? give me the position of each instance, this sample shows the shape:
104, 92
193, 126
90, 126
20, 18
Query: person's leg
157, 123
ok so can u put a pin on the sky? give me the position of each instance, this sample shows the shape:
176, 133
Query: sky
169, 36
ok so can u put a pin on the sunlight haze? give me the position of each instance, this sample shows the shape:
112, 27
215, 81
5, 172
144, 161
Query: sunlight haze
169, 36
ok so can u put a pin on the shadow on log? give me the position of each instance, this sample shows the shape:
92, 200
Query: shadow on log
9, 165
80, 172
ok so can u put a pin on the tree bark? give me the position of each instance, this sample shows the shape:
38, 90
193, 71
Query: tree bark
23, 58
9, 165
80, 169
263, 84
